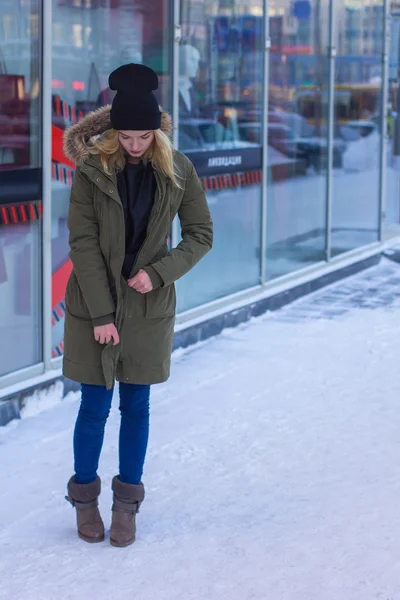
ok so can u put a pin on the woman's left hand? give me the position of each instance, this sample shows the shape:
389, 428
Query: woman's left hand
141, 282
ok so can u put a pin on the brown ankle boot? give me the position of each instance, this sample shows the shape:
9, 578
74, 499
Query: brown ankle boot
84, 497
127, 501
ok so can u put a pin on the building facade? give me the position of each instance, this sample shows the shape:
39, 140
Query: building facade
287, 108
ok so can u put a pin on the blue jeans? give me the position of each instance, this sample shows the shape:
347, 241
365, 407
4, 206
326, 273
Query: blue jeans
133, 434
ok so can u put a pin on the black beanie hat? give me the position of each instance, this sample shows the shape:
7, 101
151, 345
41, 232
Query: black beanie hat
134, 107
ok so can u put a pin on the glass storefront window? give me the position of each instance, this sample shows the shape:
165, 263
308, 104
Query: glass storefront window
220, 128
392, 221
221, 120
20, 193
297, 136
91, 39
234, 262
357, 110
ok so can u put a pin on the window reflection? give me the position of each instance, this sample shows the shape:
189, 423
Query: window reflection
220, 83
19, 84
220, 129
297, 136
357, 116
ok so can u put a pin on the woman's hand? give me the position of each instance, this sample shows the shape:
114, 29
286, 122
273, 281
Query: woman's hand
141, 282
104, 333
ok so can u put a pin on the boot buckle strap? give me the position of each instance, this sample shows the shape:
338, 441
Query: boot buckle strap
126, 507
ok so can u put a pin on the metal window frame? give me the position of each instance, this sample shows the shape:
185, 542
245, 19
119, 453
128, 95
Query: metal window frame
176, 42
331, 53
264, 186
384, 136
46, 183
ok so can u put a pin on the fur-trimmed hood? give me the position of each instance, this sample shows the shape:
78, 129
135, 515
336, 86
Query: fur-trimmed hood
95, 123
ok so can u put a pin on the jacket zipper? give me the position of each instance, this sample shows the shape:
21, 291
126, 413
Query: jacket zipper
114, 197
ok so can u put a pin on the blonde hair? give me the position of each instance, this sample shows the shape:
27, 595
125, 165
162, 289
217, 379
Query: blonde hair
113, 156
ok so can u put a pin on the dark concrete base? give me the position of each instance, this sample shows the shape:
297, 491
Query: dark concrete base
10, 407
9, 410
393, 254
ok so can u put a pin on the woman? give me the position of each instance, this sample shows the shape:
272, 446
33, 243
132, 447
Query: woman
120, 299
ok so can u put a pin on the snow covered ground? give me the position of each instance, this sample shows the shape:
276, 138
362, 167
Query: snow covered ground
273, 469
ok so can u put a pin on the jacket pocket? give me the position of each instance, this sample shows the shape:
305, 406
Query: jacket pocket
161, 303
74, 300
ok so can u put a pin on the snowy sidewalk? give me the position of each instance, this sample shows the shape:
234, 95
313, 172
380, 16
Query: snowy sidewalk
273, 469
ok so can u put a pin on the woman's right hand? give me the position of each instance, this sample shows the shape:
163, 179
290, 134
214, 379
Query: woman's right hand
104, 333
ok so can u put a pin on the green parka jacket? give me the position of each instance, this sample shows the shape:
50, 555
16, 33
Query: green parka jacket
96, 288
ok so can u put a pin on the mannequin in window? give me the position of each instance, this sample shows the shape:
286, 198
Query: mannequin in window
189, 60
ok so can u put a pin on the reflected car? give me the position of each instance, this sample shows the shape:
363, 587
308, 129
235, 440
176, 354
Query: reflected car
314, 150
297, 123
282, 138
363, 128
198, 134
251, 132
362, 153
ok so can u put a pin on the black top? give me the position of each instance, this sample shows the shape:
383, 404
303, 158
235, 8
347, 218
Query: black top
137, 187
